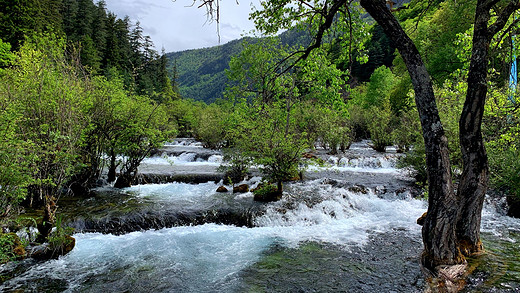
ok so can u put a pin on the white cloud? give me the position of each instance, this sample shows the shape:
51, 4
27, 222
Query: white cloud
179, 25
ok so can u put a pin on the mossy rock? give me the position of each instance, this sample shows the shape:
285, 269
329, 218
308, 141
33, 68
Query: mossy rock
421, 219
47, 251
266, 193
11, 248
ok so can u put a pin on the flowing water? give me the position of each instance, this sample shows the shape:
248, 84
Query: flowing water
352, 231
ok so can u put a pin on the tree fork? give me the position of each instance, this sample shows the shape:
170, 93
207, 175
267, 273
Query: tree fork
439, 237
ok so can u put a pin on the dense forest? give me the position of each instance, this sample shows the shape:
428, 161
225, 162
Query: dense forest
85, 97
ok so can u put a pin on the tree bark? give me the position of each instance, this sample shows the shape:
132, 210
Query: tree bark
439, 237
473, 182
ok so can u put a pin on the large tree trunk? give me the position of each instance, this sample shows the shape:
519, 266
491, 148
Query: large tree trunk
473, 182
439, 237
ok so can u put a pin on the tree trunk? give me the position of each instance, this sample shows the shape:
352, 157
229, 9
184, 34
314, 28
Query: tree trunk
439, 238
49, 213
112, 167
473, 182
279, 187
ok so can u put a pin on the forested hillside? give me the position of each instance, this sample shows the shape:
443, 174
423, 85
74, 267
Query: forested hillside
200, 73
105, 43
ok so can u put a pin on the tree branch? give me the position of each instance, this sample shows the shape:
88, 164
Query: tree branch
503, 17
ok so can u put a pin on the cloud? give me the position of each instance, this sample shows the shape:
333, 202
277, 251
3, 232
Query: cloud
179, 25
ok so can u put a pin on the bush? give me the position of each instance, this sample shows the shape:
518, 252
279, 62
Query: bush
236, 166
379, 127
415, 161
209, 128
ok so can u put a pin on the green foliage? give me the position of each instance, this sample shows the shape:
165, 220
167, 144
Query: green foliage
371, 109
408, 131
450, 100
210, 128
505, 169
415, 163
268, 120
6, 56
379, 88
201, 73
502, 133
379, 126
435, 31
45, 100
145, 127
15, 157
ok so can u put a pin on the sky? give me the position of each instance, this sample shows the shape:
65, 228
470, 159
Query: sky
180, 25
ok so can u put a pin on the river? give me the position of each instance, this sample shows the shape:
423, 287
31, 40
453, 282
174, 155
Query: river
349, 227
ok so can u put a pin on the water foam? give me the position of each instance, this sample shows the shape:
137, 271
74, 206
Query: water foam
186, 158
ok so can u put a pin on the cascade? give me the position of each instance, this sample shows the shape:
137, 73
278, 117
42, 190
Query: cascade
350, 226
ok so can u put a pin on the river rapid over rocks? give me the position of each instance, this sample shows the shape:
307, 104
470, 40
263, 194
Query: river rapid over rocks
350, 226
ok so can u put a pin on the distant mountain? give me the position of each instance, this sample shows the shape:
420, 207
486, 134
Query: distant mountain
201, 72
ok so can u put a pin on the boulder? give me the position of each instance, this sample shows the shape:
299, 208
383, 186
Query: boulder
358, 189
123, 182
242, 188
222, 189
267, 197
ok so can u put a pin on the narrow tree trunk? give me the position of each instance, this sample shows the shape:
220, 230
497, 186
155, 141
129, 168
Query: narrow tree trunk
49, 213
112, 167
439, 238
279, 187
